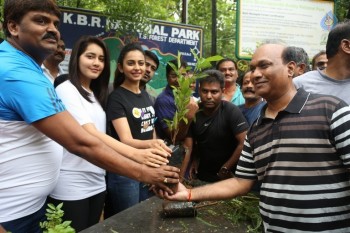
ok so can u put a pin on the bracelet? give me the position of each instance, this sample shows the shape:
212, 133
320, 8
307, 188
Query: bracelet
189, 195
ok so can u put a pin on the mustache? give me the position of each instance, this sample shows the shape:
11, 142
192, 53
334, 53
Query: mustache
249, 90
59, 54
50, 36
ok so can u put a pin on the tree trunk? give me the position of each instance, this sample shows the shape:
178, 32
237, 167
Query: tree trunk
213, 28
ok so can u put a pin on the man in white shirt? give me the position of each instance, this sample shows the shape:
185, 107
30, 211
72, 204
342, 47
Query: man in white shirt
51, 65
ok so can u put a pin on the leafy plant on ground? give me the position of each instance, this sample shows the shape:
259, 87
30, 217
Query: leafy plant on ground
183, 93
54, 222
245, 209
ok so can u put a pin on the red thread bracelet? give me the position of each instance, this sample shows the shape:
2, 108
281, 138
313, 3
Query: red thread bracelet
189, 195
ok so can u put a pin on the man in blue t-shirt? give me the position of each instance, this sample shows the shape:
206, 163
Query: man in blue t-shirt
33, 119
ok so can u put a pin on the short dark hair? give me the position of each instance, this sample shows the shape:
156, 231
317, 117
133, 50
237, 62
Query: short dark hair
296, 54
225, 60
152, 56
119, 77
240, 80
16, 9
322, 52
213, 76
99, 86
168, 68
336, 35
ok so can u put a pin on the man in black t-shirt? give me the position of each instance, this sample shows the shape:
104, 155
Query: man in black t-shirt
217, 134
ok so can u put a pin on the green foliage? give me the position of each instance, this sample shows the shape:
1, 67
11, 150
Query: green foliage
127, 17
182, 93
342, 9
199, 13
138, 12
54, 222
246, 209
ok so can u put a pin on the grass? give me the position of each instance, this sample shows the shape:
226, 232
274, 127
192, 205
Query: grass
245, 209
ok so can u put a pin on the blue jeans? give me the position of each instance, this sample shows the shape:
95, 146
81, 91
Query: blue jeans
28, 224
144, 192
122, 192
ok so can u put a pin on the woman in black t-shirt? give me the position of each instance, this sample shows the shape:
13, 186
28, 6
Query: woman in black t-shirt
130, 117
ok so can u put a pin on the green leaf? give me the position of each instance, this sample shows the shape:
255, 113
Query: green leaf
182, 93
51, 206
54, 221
59, 206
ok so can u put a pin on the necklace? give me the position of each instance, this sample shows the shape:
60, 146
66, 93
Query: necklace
138, 91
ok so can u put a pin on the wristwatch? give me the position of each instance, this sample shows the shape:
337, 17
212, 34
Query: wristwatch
225, 170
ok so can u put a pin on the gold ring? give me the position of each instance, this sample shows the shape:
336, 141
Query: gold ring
165, 180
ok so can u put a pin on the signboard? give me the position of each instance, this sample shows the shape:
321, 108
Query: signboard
301, 23
165, 39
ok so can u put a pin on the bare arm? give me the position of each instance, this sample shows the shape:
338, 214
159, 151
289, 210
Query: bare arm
234, 157
150, 157
221, 190
63, 128
187, 157
2, 230
122, 128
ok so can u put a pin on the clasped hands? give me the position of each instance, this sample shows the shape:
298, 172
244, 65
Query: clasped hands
159, 174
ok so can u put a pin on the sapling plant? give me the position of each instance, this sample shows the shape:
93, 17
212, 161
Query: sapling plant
183, 92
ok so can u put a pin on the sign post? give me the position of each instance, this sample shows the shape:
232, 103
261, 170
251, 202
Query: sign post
300, 23
165, 39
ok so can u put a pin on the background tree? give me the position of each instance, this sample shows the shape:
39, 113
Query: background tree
199, 13
342, 10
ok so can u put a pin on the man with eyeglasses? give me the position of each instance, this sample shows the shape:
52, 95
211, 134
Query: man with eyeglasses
319, 61
335, 78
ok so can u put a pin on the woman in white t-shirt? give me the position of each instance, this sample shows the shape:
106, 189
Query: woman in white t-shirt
81, 185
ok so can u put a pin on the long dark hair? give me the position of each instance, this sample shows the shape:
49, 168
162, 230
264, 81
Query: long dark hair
119, 77
99, 86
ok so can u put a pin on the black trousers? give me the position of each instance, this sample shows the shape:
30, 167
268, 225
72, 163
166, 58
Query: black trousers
83, 213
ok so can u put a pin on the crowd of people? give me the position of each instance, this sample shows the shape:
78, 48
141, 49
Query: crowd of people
282, 129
